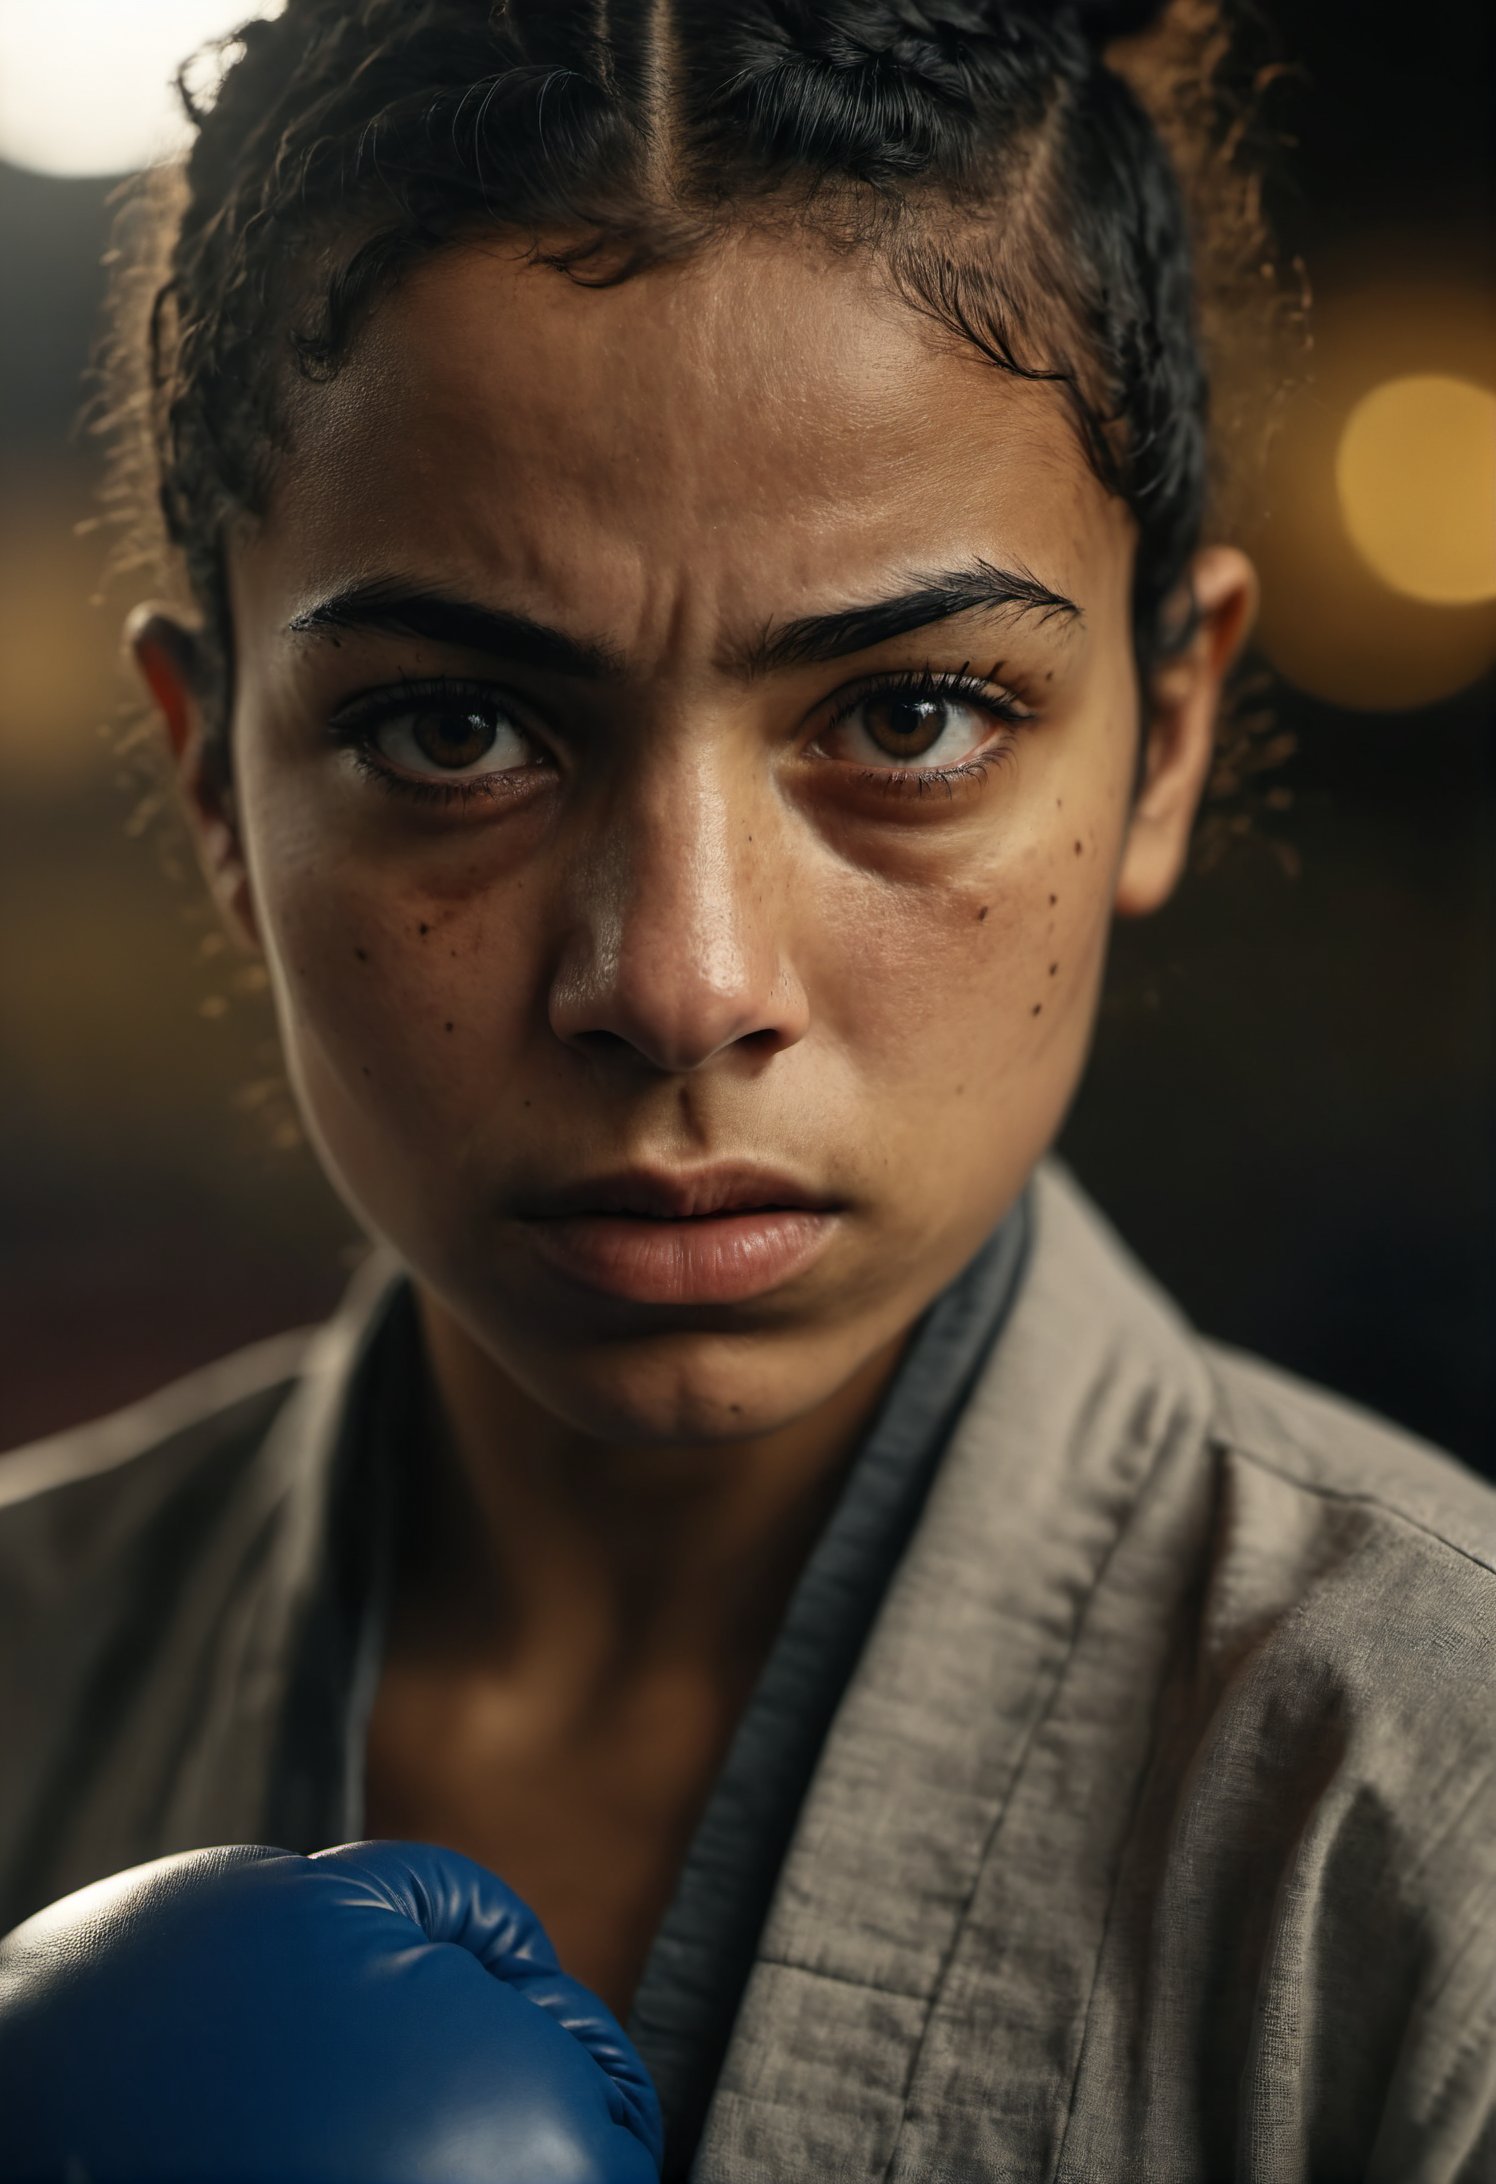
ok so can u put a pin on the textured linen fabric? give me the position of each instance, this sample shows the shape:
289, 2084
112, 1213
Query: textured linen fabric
1154, 1832
692, 1983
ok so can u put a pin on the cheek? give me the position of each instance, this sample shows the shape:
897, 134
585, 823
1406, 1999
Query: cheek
963, 1004
975, 980
392, 1001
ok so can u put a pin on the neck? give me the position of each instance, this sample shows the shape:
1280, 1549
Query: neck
541, 1555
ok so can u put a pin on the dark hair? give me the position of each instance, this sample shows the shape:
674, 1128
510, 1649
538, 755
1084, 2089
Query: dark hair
1026, 184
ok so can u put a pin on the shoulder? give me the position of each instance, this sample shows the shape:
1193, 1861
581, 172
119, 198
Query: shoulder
132, 1497
82, 1500
1353, 1574
1349, 1599
1342, 1754
1330, 1451
1295, 1467
1326, 1761
1342, 1570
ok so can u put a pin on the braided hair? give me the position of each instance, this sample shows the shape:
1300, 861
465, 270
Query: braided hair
993, 153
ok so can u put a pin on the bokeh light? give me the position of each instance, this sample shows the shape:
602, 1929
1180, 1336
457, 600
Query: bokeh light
1416, 473
1376, 537
86, 86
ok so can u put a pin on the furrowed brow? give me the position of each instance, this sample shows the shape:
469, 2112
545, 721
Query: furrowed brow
393, 607
935, 598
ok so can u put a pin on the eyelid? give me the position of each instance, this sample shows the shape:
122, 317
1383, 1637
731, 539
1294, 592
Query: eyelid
387, 701
355, 723
980, 691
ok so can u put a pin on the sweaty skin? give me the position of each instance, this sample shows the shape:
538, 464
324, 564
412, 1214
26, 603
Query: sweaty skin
692, 923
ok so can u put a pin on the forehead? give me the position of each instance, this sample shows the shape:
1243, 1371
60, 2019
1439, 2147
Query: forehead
765, 414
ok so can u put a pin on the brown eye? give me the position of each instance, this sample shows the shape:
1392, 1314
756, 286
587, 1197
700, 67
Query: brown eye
452, 739
442, 739
906, 725
920, 726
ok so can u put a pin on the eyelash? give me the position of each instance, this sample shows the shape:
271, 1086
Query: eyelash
355, 727
929, 682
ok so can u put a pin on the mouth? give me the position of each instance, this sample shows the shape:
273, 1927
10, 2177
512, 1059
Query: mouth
718, 1235
703, 1195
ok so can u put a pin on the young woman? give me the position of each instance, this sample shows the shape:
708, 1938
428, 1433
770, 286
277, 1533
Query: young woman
699, 607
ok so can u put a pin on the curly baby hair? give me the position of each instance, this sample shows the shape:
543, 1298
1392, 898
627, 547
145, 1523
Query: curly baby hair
1061, 184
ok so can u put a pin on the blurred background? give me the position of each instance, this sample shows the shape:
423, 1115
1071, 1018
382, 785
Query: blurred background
1288, 1114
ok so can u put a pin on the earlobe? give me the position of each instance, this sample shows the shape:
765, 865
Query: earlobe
168, 659
1182, 706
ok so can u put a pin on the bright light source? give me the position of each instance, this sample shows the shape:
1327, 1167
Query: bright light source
1393, 618
86, 85
1416, 473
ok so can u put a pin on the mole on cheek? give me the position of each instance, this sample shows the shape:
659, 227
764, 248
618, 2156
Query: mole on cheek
1077, 849
449, 1027
1053, 900
424, 930
362, 954
1052, 970
1038, 1005
982, 913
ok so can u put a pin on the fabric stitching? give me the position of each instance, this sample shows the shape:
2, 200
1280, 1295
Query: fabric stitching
1129, 1512
845, 1979
1139, 1793
1358, 1497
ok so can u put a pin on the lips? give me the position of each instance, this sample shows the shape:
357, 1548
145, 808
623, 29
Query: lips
702, 1195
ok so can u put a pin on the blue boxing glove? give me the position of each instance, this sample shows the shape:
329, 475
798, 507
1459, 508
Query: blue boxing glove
387, 2013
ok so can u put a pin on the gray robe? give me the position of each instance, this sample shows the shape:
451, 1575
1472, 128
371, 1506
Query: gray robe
1154, 1835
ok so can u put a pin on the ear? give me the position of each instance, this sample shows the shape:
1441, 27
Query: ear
168, 659
1182, 703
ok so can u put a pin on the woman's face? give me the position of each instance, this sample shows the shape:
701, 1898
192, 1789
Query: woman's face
678, 725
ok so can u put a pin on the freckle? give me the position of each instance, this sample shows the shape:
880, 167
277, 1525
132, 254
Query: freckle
362, 954
1059, 803
449, 1027
425, 929
368, 1072
1053, 900
452, 952
982, 913
735, 1407
1036, 1008
959, 1090
1077, 849
527, 1103
1052, 969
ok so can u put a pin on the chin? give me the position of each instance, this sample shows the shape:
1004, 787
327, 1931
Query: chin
677, 1391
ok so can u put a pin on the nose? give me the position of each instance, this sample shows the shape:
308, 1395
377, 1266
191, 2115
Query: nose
678, 934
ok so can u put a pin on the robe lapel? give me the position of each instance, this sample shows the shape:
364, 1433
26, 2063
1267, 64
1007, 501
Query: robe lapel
919, 1996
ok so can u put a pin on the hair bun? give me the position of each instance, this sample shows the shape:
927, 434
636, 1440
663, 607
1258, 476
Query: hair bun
1105, 19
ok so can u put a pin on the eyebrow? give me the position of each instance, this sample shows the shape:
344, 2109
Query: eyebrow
927, 599
406, 609
398, 606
